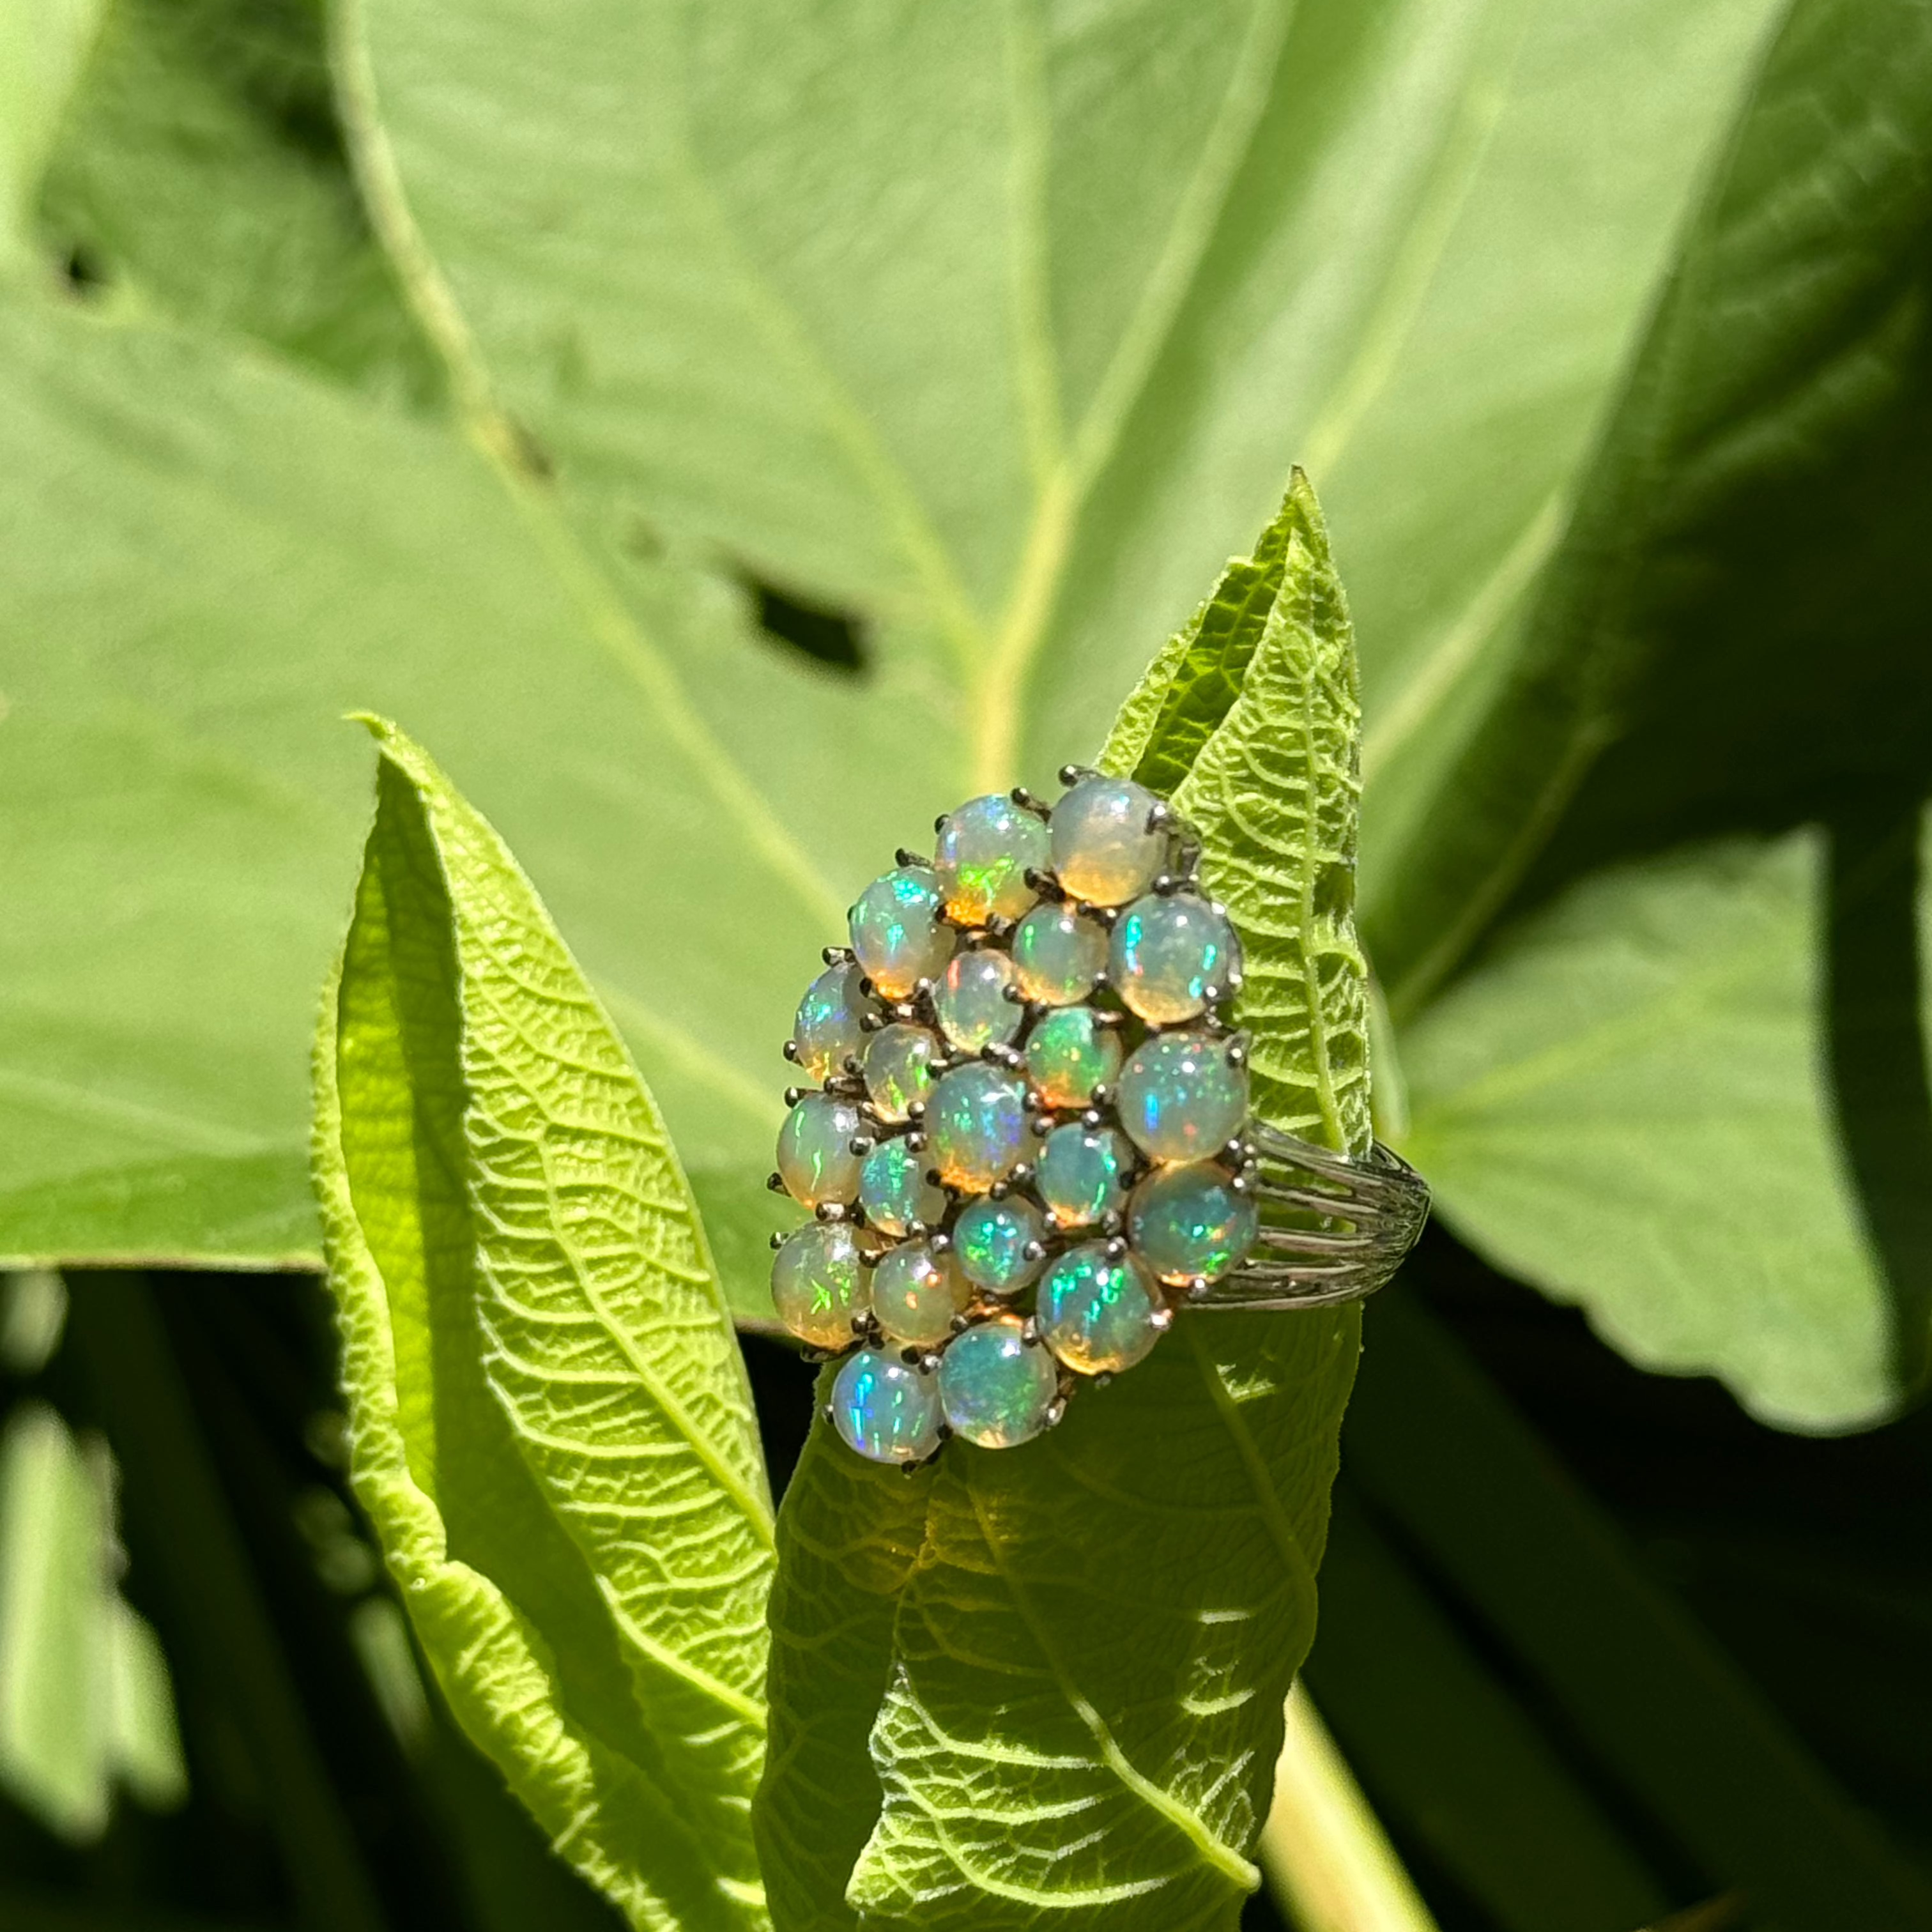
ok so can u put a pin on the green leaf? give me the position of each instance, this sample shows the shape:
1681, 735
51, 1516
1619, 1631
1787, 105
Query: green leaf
1193, 681
199, 171
1630, 1106
1012, 393
552, 1429
287, 552
1103, 1626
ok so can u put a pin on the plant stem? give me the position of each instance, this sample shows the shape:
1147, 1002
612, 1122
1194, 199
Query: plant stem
1330, 1865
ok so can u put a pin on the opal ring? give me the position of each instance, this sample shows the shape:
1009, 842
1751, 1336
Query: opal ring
1029, 1144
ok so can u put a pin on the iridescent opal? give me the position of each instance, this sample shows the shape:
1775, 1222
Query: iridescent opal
897, 934
1103, 850
1097, 1310
1180, 1098
1069, 1053
976, 1126
996, 1387
1081, 1174
917, 1293
991, 1239
1058, 955
818, 1283
886, 1409
1169, 954
971, 1003
1188, 1223
894, 1191
816, 1162
827, 1027
986, 849
899, 1068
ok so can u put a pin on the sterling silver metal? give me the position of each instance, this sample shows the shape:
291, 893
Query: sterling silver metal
1355, 1221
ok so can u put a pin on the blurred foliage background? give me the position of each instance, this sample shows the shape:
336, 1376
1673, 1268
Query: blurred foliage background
722, 435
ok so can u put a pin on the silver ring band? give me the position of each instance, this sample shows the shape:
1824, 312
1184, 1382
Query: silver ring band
1334, 1228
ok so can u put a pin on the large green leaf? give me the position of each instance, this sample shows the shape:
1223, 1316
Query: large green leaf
1102, 1627
1630, 1106
1024, 377
551, 1427
1012, 389
260, 552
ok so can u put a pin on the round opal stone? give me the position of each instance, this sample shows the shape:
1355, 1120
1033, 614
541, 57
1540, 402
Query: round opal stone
1081, 1174
827, 1028
899, 1068
996, 1386
1103, 850
976, 1126
990, 1239
986, 850
1069, 1054
1169, 953
1058, 955
886, 1409
971, 1003
916, 1294
1179, 1099
816, 1162
1187, 1222
894, 1191
1097, 1310
818, 1283
897, 935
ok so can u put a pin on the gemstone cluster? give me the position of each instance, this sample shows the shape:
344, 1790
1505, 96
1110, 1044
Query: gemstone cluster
1024, 1149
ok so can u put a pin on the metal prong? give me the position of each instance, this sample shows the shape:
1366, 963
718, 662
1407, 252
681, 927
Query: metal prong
790, 1050
775, 1182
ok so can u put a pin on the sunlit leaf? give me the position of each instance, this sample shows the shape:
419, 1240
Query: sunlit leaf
552, 1429
1101, 1626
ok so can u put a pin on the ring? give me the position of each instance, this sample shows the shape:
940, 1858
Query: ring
1029, 1144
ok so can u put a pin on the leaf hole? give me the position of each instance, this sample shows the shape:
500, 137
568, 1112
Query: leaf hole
86, 275
825, 634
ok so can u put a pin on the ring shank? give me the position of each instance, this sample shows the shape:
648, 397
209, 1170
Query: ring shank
1354, 1220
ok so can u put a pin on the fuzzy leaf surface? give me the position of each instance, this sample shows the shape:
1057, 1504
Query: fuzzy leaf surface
551, 1426
1083, 1645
